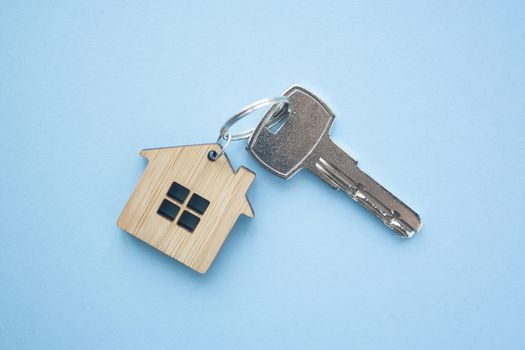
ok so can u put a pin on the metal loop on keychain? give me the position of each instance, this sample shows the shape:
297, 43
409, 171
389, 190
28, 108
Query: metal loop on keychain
213, 155
225, 134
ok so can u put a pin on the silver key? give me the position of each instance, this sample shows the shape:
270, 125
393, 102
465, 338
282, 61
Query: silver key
303, 142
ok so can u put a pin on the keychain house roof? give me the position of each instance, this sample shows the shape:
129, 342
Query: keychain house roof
186, 204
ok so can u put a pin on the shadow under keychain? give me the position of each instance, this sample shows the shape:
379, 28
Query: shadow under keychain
189, 197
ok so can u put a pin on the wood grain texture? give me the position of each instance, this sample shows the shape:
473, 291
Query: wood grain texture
214, 180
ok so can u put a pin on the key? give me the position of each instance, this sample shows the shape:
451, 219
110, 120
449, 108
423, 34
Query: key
303, 142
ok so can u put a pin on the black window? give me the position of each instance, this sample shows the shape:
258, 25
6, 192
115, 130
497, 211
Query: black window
178, 192
198, 203
169, 210
195, 208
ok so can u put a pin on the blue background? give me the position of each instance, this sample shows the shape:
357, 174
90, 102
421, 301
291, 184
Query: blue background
430, 98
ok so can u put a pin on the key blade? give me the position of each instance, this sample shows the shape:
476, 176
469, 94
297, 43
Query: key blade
340, 171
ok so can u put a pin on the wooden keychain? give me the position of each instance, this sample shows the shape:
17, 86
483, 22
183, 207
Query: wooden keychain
189, 197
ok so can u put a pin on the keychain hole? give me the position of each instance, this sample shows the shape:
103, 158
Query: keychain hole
212, 155
279, 119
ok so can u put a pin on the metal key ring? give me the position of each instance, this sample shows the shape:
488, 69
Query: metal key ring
225, 134
214, 155
248, 110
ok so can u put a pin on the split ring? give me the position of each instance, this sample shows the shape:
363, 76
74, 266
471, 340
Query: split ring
213, 155
275, 119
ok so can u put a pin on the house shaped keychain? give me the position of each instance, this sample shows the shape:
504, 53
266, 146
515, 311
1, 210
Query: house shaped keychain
189, 198
186, 204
